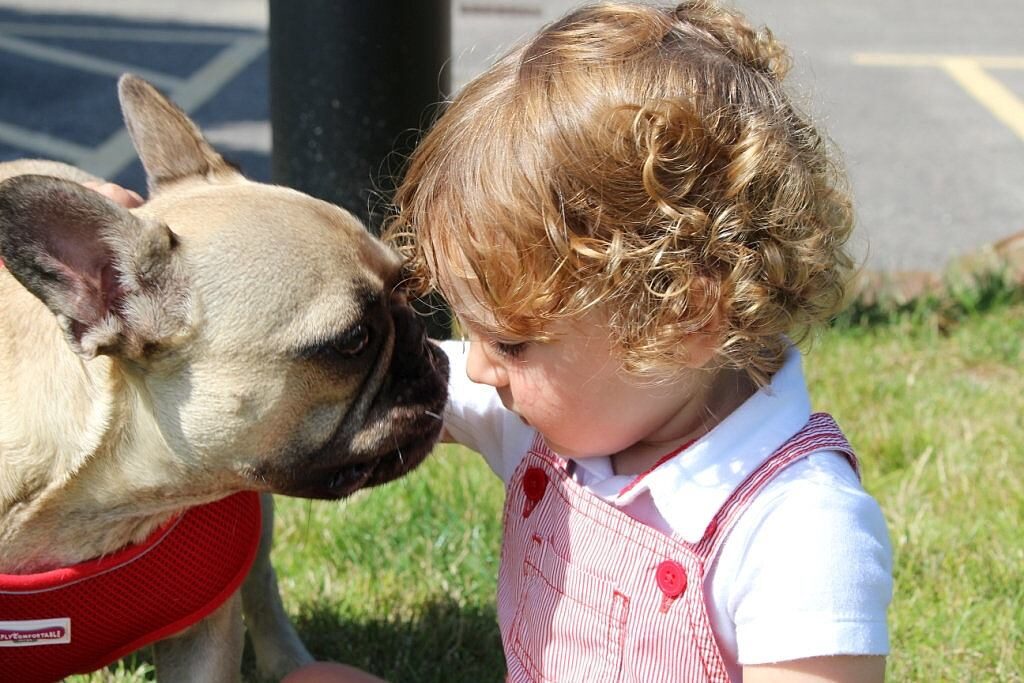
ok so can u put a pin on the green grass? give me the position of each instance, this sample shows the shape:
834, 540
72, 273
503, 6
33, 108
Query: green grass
400, 580
936, 413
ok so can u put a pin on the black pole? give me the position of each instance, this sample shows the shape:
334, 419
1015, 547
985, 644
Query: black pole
351, 85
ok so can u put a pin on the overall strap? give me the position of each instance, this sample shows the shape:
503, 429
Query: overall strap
821, 433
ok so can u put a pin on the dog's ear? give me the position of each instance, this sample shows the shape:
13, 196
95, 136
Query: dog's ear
169, 144
112, 279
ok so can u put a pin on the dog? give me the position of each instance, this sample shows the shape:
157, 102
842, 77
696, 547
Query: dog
226, 336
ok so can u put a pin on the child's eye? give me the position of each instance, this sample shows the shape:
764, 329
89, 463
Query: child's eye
510, 350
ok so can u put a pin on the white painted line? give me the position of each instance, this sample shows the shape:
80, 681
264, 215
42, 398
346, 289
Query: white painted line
42, 144
215, 74
995, 97
248, 136
149, 35
82, 62
117, 152
110, 158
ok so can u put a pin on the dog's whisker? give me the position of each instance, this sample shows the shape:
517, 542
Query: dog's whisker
432, 414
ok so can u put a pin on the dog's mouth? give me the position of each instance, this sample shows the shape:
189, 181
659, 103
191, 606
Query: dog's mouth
396, 435
352, 477
386, 436
319, 476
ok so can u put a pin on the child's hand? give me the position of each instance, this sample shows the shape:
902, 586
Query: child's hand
129, 199
329, 672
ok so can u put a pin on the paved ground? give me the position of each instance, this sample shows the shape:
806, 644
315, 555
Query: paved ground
925, 98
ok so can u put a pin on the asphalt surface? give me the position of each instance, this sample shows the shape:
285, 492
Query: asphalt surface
924, 98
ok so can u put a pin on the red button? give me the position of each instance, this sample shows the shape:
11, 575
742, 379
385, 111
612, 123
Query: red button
535, 481
671, 578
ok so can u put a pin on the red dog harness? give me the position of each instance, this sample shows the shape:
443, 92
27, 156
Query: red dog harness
80, 618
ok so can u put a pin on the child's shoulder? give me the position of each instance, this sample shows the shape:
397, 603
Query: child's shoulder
819, 494
815, 529
812, 554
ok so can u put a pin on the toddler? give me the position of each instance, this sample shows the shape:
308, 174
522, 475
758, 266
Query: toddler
635, 226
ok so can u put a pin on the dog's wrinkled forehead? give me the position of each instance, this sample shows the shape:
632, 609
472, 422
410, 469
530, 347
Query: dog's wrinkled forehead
312, 263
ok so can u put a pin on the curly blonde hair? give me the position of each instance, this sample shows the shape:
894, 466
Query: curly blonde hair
645, 162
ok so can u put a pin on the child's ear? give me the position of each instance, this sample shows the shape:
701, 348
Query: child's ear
702, 347
704, 300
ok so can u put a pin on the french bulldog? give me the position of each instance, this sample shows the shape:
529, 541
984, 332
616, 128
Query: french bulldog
224, 336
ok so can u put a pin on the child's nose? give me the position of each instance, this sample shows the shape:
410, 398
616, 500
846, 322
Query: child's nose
481, 369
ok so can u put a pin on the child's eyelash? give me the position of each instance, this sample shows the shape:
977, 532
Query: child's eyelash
509, 349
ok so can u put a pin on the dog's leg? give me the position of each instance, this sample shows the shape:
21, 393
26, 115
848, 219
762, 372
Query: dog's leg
275, 642
208, 651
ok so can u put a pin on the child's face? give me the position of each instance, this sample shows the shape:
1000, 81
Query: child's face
573, 392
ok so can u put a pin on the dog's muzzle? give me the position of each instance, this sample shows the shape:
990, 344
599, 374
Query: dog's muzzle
398, 430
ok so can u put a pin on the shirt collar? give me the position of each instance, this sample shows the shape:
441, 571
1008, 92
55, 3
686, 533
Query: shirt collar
687, 490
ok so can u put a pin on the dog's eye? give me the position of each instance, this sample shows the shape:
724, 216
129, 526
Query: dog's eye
353, 341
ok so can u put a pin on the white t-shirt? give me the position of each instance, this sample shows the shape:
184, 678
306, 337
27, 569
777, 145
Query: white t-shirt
807, 569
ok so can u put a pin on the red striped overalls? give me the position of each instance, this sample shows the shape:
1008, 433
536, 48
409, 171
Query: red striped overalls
587, 593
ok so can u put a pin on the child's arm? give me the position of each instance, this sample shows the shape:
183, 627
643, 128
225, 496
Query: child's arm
475, 417
837, 669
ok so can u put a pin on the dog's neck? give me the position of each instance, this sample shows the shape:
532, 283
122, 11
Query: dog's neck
70, 488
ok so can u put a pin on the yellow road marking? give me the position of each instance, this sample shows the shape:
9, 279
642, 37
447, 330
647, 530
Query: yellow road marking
936, 60
969, 72
1003, 104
